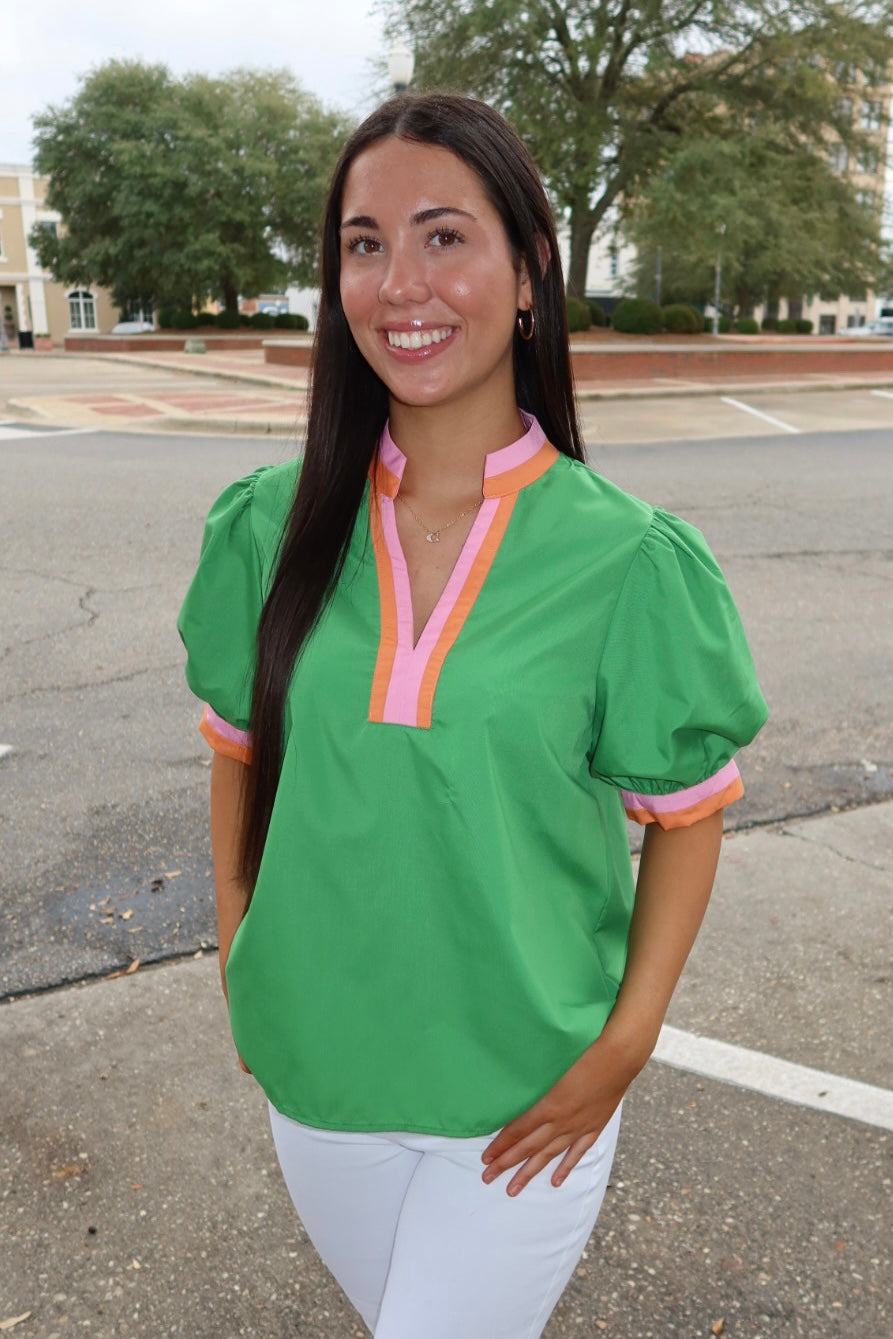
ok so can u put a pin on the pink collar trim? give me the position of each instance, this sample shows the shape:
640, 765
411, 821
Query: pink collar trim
507, 461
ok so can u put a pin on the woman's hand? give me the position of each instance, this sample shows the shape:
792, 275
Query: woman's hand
568, 1119
675, 878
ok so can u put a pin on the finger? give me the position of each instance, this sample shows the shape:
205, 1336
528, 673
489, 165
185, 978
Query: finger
517, 1152
572, 1157
510, 1135
530, 1169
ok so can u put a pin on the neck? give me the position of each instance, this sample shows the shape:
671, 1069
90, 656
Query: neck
446, 446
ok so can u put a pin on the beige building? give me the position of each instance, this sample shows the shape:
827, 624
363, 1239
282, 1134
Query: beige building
867, 103
30, 301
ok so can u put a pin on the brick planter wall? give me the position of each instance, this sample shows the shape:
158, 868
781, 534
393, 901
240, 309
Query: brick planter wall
214, 340
629, 361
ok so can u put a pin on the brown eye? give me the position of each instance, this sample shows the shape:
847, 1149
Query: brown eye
444, 238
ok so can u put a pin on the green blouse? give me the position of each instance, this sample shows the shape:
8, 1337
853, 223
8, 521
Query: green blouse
440, 923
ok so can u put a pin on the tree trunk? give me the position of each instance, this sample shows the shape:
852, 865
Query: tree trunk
582, 228
230, 296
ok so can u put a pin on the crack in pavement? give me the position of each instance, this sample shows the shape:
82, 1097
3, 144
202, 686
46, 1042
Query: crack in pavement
827, 846
90, 683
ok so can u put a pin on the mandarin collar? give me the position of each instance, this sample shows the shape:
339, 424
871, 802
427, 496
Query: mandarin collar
506, 471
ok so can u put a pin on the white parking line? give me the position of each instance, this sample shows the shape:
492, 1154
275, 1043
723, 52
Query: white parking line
15, 431
885, 395
758, 413
776, 1078
5, 750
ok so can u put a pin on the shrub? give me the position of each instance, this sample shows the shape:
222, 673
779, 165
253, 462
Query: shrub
228, 320
263, 321
291, 321
725, 324
787, 327
681, 319
638, 316
804, 326
244, 318
206, 318
769, 323
181, 320
746, 325
578, 317
597, 313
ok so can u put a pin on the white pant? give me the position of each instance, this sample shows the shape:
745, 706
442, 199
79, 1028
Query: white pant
422, 1247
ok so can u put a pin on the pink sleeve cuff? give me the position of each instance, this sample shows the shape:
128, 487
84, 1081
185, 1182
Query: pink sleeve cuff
684, 807
225, 738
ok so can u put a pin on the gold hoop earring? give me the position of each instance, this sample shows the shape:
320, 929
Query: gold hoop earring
526, 331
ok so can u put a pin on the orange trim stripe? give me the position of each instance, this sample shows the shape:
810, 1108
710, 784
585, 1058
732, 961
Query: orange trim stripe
500, 485
684, 818
462, 608
227, 747
387, 642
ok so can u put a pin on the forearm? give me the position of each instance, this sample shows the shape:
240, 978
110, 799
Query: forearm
676, 874
227, 779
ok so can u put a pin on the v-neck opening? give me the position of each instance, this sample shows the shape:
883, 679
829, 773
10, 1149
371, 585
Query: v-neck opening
407, 670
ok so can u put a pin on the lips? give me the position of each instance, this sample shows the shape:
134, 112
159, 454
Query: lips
418, 339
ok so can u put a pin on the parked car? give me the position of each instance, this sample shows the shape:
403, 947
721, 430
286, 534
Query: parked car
132, 328
882, 326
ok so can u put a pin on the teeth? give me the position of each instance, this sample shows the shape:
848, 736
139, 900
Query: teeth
417, 339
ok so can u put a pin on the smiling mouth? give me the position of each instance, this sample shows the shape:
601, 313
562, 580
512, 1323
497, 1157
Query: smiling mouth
418, 339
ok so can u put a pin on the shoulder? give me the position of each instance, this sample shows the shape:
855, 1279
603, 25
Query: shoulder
255, 506
594, 513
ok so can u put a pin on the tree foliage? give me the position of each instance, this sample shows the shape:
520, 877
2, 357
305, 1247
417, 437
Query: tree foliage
171, 191
604, 90
784, 223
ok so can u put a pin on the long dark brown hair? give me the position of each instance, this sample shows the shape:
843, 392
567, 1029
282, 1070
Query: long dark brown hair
349, 406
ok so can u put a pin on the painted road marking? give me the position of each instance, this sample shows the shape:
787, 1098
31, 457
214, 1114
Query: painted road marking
17, 431
885, 395
758, 413
5, 750
776, 1078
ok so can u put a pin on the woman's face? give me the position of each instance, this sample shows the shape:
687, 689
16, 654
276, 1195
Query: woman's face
428, 283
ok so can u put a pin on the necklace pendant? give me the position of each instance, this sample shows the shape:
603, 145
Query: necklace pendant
433, 536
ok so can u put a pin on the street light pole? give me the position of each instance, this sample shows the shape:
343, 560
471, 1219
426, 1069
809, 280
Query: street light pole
401, 63
718, 286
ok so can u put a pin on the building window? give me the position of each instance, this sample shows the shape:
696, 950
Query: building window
50, 225
614, 261
867, 162
2, 255
867, 199
827, 325
871, 115
82, 310
838, 158
844, 109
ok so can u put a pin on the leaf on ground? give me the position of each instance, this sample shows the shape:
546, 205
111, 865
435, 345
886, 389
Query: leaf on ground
126, 915
718, 1325
132, 968
14, 1320
69, 1169
173, 874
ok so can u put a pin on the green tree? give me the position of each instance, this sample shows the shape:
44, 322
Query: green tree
786, 224
171, 191
603, 90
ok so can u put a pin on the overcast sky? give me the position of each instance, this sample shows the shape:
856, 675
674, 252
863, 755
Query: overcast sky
47, 45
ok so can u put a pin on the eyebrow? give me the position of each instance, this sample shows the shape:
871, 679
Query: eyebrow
423, 216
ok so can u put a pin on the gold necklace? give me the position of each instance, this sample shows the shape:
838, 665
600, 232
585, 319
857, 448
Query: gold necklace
432, 535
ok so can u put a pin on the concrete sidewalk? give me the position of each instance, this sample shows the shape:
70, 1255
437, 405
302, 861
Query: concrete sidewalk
266, 398
140, 1194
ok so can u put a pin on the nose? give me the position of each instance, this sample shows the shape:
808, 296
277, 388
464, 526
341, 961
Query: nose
405, 277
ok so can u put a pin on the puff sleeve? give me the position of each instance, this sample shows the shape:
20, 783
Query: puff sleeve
219, 617
676, 690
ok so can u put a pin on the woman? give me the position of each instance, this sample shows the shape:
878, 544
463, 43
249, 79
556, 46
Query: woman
435, 674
